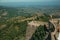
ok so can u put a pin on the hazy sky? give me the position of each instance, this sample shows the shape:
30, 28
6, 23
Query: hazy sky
27, 0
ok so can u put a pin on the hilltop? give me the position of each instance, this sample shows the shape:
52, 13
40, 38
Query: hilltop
14, 20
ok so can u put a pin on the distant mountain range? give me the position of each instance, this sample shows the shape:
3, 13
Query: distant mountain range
30, 4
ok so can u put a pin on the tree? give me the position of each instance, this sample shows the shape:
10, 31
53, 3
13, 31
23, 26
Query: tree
39, 34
